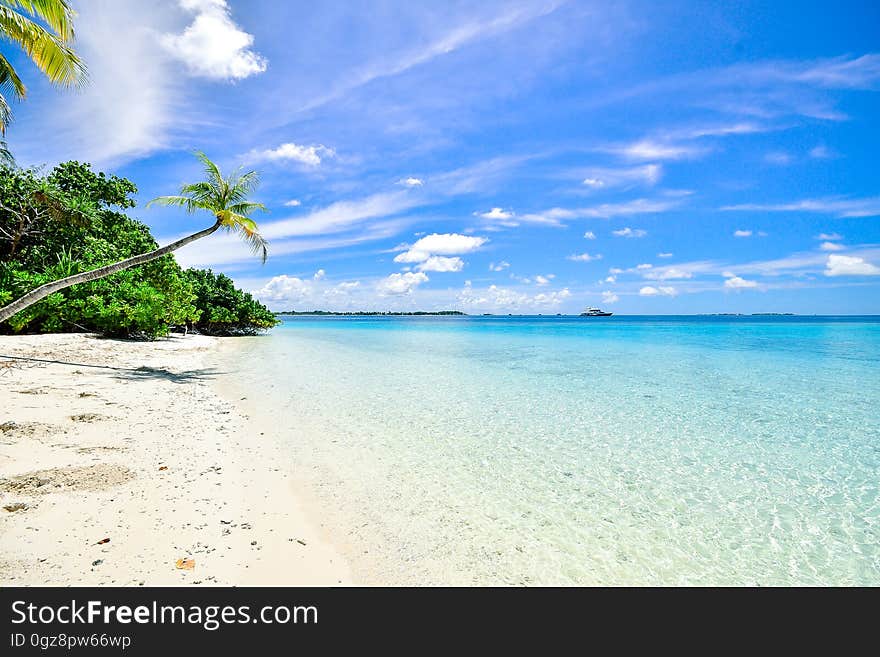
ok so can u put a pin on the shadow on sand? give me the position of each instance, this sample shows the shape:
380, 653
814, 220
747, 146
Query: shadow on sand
132, 374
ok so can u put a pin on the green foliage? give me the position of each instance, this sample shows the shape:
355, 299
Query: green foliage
69, 221
226, 310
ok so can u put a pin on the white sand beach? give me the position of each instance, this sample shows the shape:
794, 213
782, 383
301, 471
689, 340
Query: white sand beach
105, 439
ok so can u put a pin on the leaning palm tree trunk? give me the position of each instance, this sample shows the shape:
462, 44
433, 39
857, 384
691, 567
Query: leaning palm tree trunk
44, 291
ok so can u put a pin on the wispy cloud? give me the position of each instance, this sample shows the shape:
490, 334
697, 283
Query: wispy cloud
841, 207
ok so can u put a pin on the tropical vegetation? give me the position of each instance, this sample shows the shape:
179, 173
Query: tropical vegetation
72, 221
226, 198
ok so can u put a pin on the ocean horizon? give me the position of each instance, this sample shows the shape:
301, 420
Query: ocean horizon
705, 450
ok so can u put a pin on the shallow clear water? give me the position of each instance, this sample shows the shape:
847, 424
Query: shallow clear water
553, 450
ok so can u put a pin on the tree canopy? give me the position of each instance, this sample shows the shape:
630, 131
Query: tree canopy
73, 220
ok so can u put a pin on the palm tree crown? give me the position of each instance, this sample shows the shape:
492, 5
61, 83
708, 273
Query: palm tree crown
226, 199
49, 47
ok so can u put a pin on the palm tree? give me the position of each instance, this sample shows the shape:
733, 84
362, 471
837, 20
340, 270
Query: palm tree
50, 49
225, 198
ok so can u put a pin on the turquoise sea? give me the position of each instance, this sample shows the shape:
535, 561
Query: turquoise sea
561, 450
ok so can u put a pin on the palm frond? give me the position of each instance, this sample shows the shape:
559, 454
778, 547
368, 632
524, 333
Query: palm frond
211, 169
52, 55
226, 199
6, 158
246, 208
5, 114
58, 14
190, 204
9, 80
258, 244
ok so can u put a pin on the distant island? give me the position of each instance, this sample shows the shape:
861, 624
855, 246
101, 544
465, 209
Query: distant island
363, 313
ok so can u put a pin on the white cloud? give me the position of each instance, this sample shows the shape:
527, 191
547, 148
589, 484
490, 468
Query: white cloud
600, 178
742, 233
648, 149
644, 266
544, 280
830, 237
411, 182
668, 274
398, 284
441, 264
610, 279
213, 46
841, 207
664, 255
555, 216
589, 235
501, 298
499, 266
630, 232
290, 152
831, 246
584, 257
615, 270
341, 216
650, 291
821, 152
841, 265
609, 297
293, 293
292, 203
737, 283
441, 244
495, 213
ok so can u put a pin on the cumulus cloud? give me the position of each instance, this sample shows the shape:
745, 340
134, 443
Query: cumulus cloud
289, 152
609, 297
584, 257
664, 255
499, 266
742, 233
292, 203
651, 291
589, 235
441, 264
737, 283
502, 298
495, 213
399, 284
841, 265
831, 246
213, 46
411, 182
831, 237
630, 232
544, 280
441, 244
294, 293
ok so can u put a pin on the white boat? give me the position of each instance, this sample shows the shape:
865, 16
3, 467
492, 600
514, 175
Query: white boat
595, 312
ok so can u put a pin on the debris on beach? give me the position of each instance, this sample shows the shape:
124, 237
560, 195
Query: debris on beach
16, 506
103, 541
186, 564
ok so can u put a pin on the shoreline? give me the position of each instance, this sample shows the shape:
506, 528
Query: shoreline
130, 441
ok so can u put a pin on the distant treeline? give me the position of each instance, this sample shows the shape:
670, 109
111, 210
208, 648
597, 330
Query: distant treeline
369, 313
73, 220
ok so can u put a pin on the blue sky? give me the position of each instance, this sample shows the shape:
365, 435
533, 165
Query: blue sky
520, 157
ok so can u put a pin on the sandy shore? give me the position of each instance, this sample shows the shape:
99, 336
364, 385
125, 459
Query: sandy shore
126, 441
